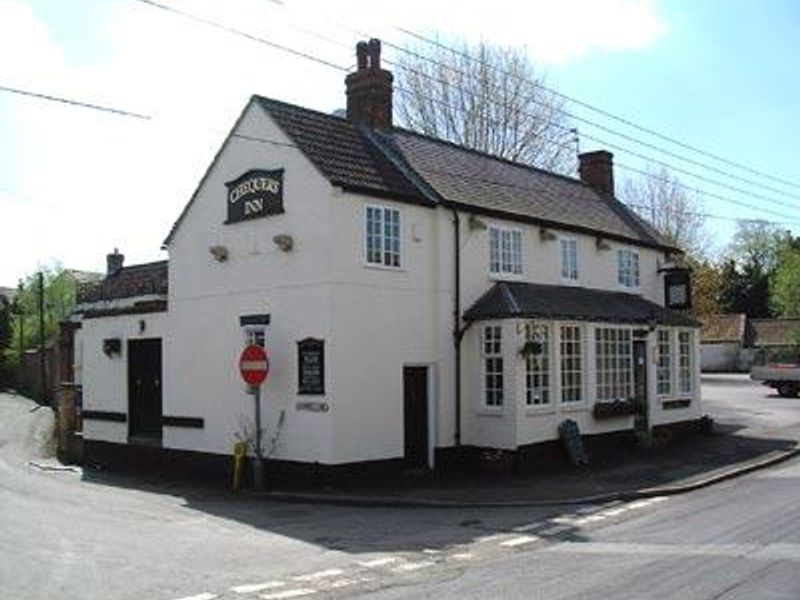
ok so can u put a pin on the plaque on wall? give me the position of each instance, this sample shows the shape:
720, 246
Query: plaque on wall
311, 366
256, 193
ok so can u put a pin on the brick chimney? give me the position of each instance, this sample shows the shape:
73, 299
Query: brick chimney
369, 89
114, 262
597, 170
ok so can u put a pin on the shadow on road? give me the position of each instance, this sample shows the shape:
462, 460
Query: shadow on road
382, 529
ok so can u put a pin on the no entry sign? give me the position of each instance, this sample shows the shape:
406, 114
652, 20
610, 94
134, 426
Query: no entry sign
254, 365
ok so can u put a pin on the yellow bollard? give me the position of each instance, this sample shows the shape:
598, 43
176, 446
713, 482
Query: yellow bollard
239, 458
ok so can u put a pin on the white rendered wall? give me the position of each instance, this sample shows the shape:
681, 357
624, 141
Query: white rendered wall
206, 299
105, 378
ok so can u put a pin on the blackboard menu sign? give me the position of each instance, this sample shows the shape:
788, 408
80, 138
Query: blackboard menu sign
257, 193
311, 366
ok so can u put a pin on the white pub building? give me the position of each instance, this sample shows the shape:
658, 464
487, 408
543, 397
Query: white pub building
420, 301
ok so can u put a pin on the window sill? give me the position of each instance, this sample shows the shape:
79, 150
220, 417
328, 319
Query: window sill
538, 411
506, 277
574, 407
491, 411
383, 267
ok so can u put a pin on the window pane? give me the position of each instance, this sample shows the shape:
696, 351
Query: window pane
571, 364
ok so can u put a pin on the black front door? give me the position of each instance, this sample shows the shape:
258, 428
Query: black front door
415, 413
144, 390
640, 380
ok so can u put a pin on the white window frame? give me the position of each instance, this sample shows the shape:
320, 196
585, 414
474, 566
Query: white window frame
497, 265
629, 271
664, 363
580, 371
614, 368
685, 368
384, 256
538, 367
567, 273
493, 364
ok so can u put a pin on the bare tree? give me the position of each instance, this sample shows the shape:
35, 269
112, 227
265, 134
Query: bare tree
488, 98
661, 199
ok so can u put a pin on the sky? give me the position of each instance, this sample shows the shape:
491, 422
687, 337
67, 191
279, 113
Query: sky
77, 183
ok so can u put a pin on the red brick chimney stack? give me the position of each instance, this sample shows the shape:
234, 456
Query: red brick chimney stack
369, 89
597, 170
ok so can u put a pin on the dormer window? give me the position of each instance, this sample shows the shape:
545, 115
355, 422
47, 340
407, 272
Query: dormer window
628, 268
505, 251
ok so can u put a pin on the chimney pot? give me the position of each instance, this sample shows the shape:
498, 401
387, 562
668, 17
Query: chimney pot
369, 89
114, 262
597, 170
375, 54
361, 55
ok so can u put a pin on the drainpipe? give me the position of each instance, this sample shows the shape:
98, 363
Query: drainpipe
457, 331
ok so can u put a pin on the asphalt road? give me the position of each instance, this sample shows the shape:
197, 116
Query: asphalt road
65, 535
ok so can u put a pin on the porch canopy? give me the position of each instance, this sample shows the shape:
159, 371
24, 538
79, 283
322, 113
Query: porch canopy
510, 299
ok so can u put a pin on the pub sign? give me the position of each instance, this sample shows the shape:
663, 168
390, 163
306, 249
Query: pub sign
678, 289
311, 366
256, 193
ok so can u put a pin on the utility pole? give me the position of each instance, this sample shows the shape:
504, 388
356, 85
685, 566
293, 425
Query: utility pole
42, 366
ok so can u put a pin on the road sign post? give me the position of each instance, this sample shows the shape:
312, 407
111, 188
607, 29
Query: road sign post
254, 367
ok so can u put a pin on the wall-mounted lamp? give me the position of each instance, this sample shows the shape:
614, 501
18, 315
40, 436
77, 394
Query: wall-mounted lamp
475, 224
284, 242
602, 244
546, 235
112, 347
220, 253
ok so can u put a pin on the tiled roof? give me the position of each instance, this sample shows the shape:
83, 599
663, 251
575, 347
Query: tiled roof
775, 332
724, 328
8, 293
342, 152
136, 280
508, 299
475, 179
410, 166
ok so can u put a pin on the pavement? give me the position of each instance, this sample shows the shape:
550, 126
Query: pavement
753, 429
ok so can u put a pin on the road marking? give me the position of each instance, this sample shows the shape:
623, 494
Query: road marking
295, 593
204, 596
378, 562
340, 583
319, 575
430, 551
413, 566
257, 587
615, 511
646, 502
555, 529
566, 520
519, 541
461, 556
732, 550
490, 538
528, 527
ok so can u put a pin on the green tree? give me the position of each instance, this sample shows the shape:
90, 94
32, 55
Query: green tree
785, 285
6, 334
754, 254
60, 288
